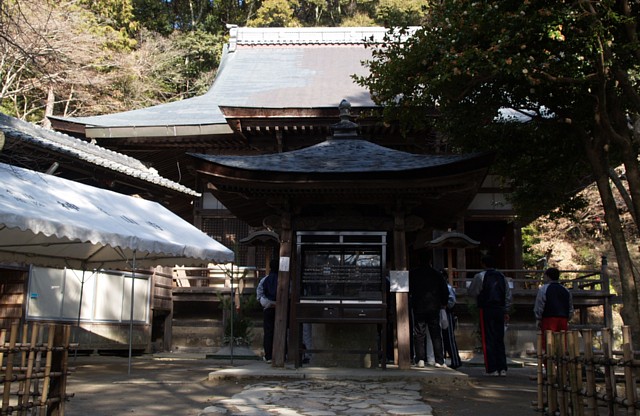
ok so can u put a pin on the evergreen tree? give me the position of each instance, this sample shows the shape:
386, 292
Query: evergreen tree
551, 86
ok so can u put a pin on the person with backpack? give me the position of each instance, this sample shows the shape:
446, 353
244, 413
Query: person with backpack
266, 294
493, 296
428, 294
554, 305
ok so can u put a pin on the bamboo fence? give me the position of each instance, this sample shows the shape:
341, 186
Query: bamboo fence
34, 369
576, 376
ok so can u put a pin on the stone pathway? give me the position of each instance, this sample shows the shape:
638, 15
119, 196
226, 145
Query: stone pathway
324, 398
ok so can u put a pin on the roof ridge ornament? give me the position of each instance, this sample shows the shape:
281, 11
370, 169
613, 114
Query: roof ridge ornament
345, 128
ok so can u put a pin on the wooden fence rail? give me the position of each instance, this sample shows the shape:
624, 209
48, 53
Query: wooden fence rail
577, 376
34, 371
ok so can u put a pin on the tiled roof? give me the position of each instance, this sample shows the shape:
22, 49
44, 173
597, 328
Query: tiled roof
337, 156
19, 130
261, 68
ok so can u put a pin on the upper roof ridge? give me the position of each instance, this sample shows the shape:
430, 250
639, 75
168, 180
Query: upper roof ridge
304, 35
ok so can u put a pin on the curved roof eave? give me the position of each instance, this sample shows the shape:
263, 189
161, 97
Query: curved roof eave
192, 116
344, 156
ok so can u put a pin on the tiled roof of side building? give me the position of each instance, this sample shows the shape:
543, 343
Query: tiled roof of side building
19, 130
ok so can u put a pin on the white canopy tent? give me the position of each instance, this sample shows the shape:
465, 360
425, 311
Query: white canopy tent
54, 222
50, 221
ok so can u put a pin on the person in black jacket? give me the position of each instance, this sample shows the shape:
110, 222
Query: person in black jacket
554, 304
428, 293
493, 296
266, 294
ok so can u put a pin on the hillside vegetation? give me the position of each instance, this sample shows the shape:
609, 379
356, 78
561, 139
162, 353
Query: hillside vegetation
580, 242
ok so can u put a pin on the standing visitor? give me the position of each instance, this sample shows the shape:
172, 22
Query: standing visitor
554, 304
427, 295
493, 297
266, 294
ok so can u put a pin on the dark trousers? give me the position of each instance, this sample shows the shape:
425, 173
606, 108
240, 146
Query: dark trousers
492, 330
449, 341
268, 326
421, 322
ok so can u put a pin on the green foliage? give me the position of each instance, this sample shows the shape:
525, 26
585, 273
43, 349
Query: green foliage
241, 322
154, 15
168, 16
398, 13
275, 13
588, 257
530, 256
201, 54
568, 73
113, 19
359, 20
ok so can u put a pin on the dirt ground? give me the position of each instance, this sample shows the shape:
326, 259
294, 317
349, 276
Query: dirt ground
110, 386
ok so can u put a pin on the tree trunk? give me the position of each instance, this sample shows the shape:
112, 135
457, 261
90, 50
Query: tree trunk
48, 110
630, 311
632, 172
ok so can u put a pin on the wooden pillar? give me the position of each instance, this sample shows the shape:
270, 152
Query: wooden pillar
606, 287
282, 299
461, 253
402, 298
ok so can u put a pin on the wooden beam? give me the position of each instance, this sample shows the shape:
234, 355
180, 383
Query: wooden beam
402, 298
282, 297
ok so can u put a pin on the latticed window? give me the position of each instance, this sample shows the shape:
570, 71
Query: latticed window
229, 231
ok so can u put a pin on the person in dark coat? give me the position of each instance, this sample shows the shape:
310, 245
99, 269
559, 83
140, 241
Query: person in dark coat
554, 304
266, 294
428, 294
493, 296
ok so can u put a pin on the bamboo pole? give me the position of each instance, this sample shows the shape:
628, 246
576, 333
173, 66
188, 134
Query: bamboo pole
580, 371
3, 338
64, 367
609, 375
23, 363
575, 374
38, 367
629, 379
540, 375
592, 401
561, 379
13, 335
47, 370
551, 374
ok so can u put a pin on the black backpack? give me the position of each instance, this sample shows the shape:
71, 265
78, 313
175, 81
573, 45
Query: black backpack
493, 290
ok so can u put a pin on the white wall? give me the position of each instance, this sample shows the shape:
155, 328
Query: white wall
54, 294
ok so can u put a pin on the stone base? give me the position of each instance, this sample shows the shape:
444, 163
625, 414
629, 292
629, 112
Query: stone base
239, 353
340, 339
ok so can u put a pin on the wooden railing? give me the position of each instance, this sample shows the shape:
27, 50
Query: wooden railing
208, 283
528, 281
590, 288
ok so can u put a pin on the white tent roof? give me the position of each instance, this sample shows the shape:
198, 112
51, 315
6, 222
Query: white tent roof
50, 221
